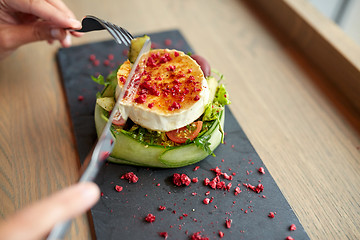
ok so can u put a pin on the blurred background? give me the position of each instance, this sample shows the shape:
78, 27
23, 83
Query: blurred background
346, 13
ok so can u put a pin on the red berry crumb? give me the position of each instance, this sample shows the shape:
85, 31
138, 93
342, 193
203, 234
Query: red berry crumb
197, 236
181, 179
237, 191
164, 234
96, 62
206, 201
289, 238
150, 218
261, 170
168, 42
228, 223
196, 168
195, 180
130, 176
118, 188
221, 234
292, 227
162, 208
92, 57
111, 56
271, 215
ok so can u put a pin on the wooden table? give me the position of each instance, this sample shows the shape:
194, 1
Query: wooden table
294, 81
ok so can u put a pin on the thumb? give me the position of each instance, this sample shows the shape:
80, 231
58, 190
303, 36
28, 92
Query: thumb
18, 35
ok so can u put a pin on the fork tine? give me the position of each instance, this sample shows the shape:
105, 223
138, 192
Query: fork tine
114, 33
119, 33
127, 35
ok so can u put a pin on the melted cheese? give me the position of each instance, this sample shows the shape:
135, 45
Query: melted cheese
172, 90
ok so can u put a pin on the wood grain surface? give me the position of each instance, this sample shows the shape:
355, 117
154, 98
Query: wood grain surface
291, 110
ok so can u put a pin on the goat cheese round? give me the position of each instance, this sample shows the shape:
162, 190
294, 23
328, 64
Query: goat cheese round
171, 90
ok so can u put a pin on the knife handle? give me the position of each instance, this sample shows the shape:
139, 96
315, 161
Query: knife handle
59, 231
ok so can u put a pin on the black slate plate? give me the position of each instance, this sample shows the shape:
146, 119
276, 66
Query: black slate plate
120, 215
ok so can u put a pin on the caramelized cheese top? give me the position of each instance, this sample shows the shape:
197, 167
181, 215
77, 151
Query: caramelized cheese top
168, 81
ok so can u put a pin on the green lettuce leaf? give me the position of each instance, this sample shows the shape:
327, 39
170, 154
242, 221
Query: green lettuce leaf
203, 143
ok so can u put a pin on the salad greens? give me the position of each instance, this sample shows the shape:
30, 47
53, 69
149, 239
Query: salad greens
211, 115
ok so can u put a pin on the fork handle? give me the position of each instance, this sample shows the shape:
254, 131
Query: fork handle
90, 24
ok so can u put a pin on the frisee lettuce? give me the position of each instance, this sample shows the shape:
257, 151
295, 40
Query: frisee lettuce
203, 143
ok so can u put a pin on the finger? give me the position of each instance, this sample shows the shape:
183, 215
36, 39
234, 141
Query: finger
77, 34
37, 220
59, 4
46, 11
66, 42
17, 35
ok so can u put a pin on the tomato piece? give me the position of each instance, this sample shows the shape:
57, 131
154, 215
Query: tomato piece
118, 119
181, 135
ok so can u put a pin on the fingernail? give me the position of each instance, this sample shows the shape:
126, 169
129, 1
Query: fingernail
75, 23
55, 33
67, 40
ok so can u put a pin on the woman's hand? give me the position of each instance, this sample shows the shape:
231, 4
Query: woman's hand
36, 221
25, 21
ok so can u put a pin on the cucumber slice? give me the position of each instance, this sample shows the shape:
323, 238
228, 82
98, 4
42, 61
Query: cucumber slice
109, 90
106, 103
190, 153
130, 151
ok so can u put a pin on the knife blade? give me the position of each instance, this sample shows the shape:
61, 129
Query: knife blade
105, 143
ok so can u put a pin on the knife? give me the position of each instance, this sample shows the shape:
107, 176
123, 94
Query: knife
105, 143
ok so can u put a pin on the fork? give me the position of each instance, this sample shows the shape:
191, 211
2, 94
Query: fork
92, 23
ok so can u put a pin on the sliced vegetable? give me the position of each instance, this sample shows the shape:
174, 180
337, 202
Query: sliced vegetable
106, 103
135, 47
118, 120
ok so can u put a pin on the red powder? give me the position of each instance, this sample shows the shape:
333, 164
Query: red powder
118, 188
167, 42
197, 236
292, 227
182, 179
80, 98
228, 223
96, 62
164, 234
92, 57
237, 191
150, 218
261, 170
206, 201
271, 215
111, 56
130, 176
259, 188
